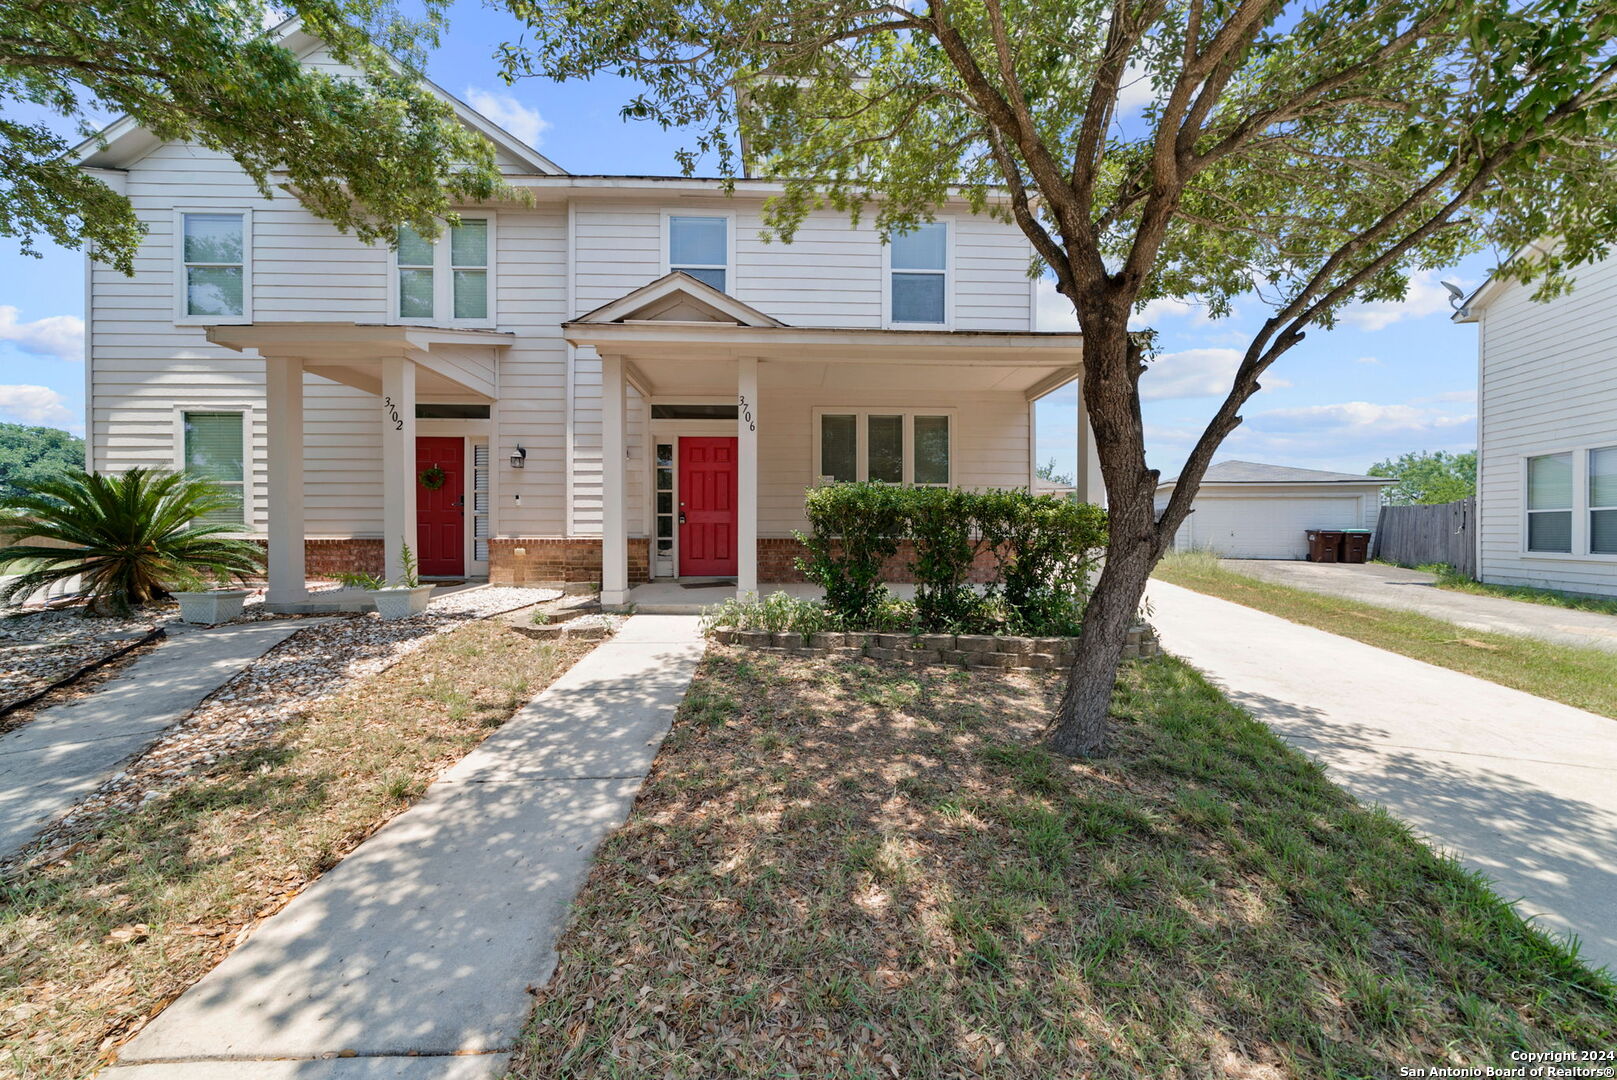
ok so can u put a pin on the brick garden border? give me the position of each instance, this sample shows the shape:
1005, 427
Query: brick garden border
987, 652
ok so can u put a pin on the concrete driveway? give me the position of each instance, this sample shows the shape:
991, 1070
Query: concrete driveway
1412, 590
1517, 787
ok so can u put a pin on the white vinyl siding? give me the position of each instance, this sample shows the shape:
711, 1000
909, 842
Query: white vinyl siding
1547, 385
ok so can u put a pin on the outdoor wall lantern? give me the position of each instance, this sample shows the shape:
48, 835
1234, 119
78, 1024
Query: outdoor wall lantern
520, 458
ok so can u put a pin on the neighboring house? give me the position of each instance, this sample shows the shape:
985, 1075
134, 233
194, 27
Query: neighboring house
1247, 510
612, 380
1547, 433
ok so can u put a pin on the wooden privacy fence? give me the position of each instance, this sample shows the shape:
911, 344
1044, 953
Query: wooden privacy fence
1441, 533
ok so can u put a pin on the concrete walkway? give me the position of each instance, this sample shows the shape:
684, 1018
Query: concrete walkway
1517, 787
412, 957
69, 750
1412, 590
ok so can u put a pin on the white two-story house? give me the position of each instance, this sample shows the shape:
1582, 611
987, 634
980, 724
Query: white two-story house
612, 379
1547, 433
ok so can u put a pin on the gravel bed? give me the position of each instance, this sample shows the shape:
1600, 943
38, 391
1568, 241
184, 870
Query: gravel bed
311, 664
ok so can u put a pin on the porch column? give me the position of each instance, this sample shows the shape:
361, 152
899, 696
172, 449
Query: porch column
614, 487
747, 475
398, 463
283, 401
1091, 486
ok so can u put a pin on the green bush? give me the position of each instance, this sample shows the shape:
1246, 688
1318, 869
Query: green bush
1047, 547
855, 529
778, 613
128, 538
942, 526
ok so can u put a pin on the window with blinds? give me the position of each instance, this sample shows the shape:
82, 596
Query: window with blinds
215, 451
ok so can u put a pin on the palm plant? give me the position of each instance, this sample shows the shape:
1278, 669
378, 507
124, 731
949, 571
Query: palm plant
128, 538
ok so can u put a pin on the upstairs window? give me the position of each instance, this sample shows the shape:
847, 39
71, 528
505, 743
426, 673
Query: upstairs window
918, 285
214, 451
700, 247
1549, 503
214, 273
1603, 501
447, 280
885, 447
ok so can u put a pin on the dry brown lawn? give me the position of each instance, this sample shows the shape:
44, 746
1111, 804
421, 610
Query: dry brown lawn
96, 941
841, 869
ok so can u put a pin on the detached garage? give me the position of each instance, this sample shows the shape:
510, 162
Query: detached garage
1247, 510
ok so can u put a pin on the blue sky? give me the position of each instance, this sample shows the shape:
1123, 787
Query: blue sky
1389, 378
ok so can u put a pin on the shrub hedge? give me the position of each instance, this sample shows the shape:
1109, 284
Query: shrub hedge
1044, 548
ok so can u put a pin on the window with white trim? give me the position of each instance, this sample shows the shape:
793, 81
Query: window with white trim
1549, 503
890, 447
1603, 501
918, 275
214, 450
448, 280
214, 273
700, 246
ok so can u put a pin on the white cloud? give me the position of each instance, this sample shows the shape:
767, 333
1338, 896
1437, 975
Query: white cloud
1368, 360
1193, 373
61, 336
27, 404
1350, 418
1426, 296
509, 113
1163, 307
1134, 90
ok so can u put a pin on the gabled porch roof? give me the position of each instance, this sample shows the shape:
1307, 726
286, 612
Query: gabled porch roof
681, 335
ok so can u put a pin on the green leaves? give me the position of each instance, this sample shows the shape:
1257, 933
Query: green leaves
366, 146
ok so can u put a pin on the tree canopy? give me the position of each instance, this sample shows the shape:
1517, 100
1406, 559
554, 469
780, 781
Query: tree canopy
1305, 153
1435, 476
366, 152
29, 455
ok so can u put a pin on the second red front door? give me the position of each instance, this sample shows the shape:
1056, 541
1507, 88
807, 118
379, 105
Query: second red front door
440, 509
707, 507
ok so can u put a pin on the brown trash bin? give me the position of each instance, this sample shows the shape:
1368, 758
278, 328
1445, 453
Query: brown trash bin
1324, 545
1356, 545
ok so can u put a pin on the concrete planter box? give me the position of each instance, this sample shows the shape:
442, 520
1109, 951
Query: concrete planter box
213, 606
392, 604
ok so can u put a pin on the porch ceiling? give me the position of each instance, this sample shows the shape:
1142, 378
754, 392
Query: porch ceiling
448, 361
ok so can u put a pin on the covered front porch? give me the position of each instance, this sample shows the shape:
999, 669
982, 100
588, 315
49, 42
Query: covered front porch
743, 414
399, 365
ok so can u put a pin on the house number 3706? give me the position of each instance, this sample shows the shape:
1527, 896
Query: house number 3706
391, 411
746, 412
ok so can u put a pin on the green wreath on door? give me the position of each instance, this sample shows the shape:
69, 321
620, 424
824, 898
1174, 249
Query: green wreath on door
432, 479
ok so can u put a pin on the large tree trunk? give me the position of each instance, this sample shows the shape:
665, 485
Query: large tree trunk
1112, 362
1080, 726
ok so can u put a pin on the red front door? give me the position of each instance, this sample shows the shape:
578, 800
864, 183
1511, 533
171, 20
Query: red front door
440, 513
707, 507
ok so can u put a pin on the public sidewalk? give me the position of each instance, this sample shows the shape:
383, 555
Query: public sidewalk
1517, 787
411, 959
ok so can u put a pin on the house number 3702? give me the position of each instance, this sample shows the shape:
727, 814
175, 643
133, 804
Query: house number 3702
746, 412
391, 411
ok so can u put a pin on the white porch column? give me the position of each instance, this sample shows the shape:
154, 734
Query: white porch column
283, 400
614, 486
398, 463
747, 475
1091, 485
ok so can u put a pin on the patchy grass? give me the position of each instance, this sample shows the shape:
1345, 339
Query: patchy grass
1583, 678
1450, 578
98, 940
838, 869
